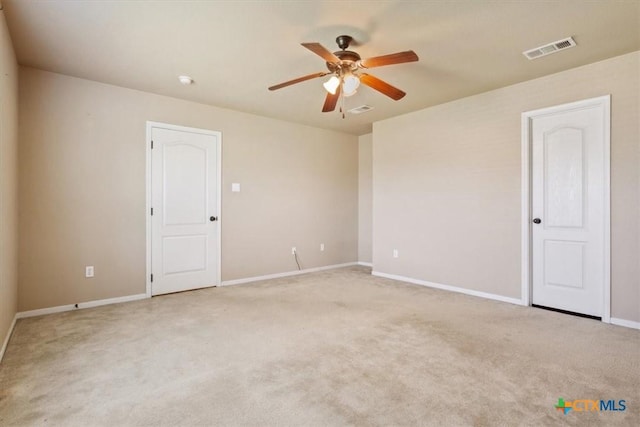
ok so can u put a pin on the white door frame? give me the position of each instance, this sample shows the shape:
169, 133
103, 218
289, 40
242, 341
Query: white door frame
605, 103
150, 126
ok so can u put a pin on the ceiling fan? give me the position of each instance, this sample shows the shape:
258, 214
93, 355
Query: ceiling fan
345, 68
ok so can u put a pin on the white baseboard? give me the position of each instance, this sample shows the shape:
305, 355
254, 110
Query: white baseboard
486, 295
285, 274
365, 264
8, 337
626, 323
81, 305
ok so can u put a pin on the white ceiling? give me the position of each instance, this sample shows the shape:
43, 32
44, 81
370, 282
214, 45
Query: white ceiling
234, 50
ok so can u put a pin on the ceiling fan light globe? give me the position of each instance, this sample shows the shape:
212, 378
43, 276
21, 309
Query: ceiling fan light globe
332, 84
350, 84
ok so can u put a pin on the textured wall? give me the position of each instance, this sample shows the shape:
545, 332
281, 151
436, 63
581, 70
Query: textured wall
447, 183
82, 189
365, 197
8, 181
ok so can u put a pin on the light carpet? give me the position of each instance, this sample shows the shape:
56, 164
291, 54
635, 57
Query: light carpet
333, 348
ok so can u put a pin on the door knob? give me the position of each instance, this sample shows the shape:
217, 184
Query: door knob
213, 218
537, 221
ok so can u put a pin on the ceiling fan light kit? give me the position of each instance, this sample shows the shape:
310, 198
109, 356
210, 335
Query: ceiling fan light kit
332, 84
350, 83
344, 67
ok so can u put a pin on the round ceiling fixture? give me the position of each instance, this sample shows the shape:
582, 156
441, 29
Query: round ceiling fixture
185, 80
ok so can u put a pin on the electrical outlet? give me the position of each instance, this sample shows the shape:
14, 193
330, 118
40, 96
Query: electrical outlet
322, 246
293, 250
88, 271
395, 253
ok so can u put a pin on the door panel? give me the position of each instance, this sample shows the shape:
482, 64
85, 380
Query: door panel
184, 185
564, 263
564, 178
568, 172
182, 254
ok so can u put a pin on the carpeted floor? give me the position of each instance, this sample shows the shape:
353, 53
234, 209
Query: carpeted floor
326, 349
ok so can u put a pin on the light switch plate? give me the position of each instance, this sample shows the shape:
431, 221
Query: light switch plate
235, 187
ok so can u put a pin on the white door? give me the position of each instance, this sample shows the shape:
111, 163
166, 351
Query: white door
569, 149
184, 201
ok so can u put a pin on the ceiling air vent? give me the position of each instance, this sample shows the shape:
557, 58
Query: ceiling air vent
550, 48
361, 109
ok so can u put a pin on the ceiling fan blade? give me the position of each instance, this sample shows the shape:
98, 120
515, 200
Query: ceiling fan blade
393, 58
321, 51
331, 100
298, 80
382, 86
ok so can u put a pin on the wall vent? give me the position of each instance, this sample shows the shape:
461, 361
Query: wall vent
550, 48
361, 109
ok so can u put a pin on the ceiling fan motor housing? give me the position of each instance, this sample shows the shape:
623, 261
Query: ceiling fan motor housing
348, 58
348, 61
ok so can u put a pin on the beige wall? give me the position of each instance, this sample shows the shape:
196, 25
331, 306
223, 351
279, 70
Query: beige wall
8, 181
447, 184
82, 189
365, 197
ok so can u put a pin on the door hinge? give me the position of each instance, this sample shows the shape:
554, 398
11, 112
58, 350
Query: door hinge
152, 278
151, 211
152, 144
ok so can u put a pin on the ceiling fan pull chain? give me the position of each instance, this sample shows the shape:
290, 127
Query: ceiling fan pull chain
342, 99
